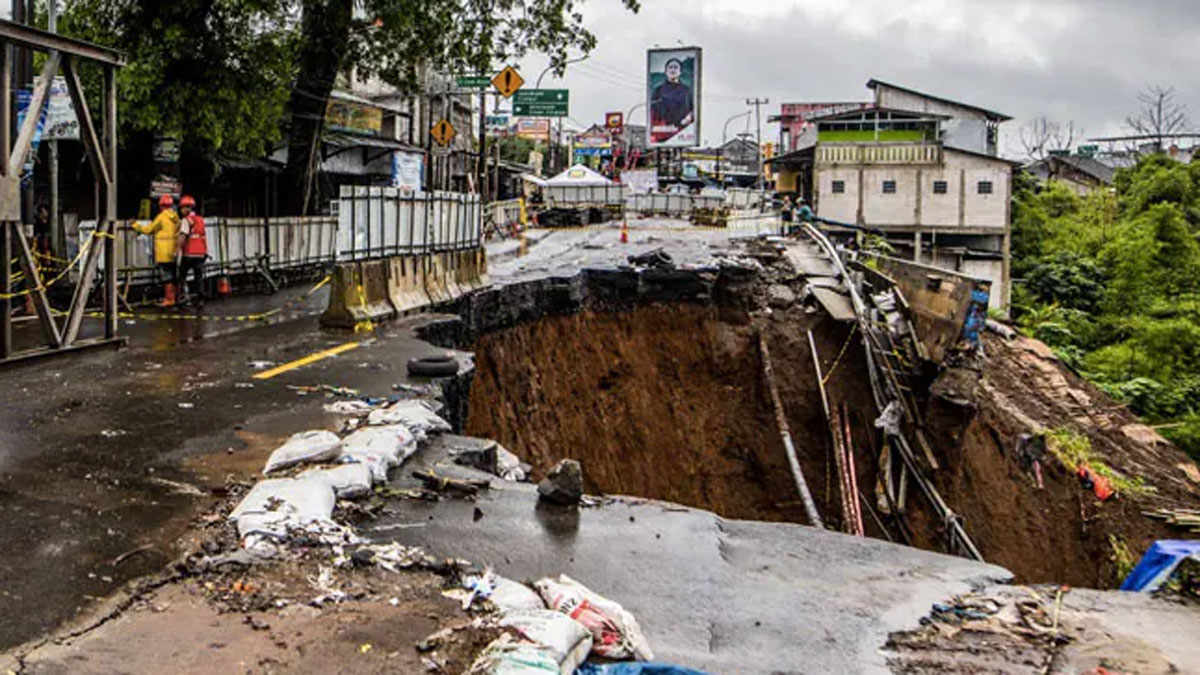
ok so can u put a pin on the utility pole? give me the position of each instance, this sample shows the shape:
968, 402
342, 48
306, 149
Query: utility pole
758, 103
57, 240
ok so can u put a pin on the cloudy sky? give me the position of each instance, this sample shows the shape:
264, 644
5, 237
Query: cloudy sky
1080, 60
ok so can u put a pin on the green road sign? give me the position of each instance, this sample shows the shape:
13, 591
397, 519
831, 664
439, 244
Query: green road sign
541, 102
474, 81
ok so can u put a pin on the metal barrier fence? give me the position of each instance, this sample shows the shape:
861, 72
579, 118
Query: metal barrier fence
506, 213
374, 222
744, 198
582, 195
672, 204
370, 223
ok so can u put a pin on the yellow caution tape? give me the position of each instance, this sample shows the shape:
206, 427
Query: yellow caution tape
219, 317
47, 284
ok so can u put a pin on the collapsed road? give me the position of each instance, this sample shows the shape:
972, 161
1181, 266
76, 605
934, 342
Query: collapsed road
652, 376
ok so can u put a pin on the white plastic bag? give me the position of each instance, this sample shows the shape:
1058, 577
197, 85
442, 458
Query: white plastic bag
615, 633
348, 481
567, 639
395, 442
275, 506
351, 408
306, 446
507, 656
513, 596
416, 414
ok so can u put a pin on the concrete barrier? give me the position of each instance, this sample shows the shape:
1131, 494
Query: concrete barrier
357, 293
406, 283
480, 273
435, 279
453, 284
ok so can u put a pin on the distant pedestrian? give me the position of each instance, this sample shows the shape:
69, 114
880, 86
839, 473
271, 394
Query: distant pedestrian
785, 214
41, 231
165, 229
193, 247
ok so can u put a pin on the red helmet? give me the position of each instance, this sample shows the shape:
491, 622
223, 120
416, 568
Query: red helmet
187, 201
166, 201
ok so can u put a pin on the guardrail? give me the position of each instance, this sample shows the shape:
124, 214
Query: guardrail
672, 204
371, 223
570, 196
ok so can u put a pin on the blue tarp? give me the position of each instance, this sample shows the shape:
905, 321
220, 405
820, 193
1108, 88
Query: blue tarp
1160, 560
635, 668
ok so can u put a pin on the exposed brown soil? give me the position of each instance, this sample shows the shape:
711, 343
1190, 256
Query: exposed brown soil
1060, 532
669, 402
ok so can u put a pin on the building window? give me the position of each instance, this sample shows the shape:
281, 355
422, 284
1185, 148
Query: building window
985, 187
939, 187
839, 187
889, 187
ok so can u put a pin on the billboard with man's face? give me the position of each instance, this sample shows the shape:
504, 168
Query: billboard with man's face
673, 97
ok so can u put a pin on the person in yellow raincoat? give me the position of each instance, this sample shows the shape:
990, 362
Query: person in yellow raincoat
165, 229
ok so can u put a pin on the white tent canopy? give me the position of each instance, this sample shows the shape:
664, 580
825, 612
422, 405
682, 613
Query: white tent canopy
580, 176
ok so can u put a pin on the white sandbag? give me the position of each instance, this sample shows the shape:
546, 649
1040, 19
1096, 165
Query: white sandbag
615, 633
508, 465
507, 656
348, 481
349, 408
306, 446
274, 507
377, 465
513, 596
394, 442
567, 639
418, 415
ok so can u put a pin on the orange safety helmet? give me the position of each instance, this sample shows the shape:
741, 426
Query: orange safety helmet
187, 201
166, 202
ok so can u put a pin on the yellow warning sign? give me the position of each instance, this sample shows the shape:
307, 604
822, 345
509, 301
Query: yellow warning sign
443, 132
507, 81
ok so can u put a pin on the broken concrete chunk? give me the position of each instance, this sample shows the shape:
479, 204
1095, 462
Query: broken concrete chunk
779, 295
564, 484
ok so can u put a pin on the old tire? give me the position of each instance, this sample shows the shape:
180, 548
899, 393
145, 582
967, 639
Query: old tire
433, 366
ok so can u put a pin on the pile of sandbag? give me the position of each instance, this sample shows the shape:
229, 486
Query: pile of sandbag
277, 509
554, 629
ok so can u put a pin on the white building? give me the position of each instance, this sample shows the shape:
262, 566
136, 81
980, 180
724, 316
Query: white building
919, 168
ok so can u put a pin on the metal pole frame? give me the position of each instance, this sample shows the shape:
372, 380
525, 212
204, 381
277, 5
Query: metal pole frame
64, 53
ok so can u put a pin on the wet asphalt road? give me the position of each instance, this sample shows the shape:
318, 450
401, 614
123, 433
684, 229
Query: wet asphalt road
725, 596
98, 449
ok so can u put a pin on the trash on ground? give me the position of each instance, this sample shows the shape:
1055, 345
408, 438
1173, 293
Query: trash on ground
327, 389
187, 406
113, 433
304, 447
349, 481
261, 365
615, 632
565, 638
433, 366
418, 415
465, 486
349, 408
657, 258
636, 668
563, 485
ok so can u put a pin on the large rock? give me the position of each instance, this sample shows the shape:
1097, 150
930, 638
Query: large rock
564, 484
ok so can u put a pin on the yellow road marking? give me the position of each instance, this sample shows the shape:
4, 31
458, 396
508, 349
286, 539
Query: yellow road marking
311, 358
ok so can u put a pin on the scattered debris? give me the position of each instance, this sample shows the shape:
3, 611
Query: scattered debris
327, 389
186, 406
492, 458
349, 408
466, 486
656, 258
261, 365
1186, 518
113, 433
563, 485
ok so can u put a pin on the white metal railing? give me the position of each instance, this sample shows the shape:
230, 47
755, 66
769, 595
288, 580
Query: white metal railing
879, 153
557, 196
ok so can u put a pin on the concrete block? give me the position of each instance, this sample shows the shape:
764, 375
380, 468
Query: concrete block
435, 279
347, 303
378, 305
406, 283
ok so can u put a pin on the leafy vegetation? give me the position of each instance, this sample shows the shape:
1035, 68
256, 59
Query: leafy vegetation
1111, 281
1121, 557
1074, 450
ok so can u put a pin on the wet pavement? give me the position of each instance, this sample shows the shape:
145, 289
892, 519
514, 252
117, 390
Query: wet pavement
720, 595
100, 451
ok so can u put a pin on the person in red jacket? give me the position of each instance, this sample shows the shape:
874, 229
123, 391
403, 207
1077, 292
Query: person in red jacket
193, 249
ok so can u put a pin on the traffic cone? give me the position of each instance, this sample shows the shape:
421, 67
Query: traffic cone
625, 232
168, 296
224, 287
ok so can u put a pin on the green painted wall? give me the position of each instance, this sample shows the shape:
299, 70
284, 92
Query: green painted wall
869, 136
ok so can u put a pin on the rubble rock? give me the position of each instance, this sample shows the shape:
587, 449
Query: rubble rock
779, 295
564, 484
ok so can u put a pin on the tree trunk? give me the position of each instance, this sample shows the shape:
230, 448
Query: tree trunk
324, 39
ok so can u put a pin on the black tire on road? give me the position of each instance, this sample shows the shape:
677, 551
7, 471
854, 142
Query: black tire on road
435, 366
